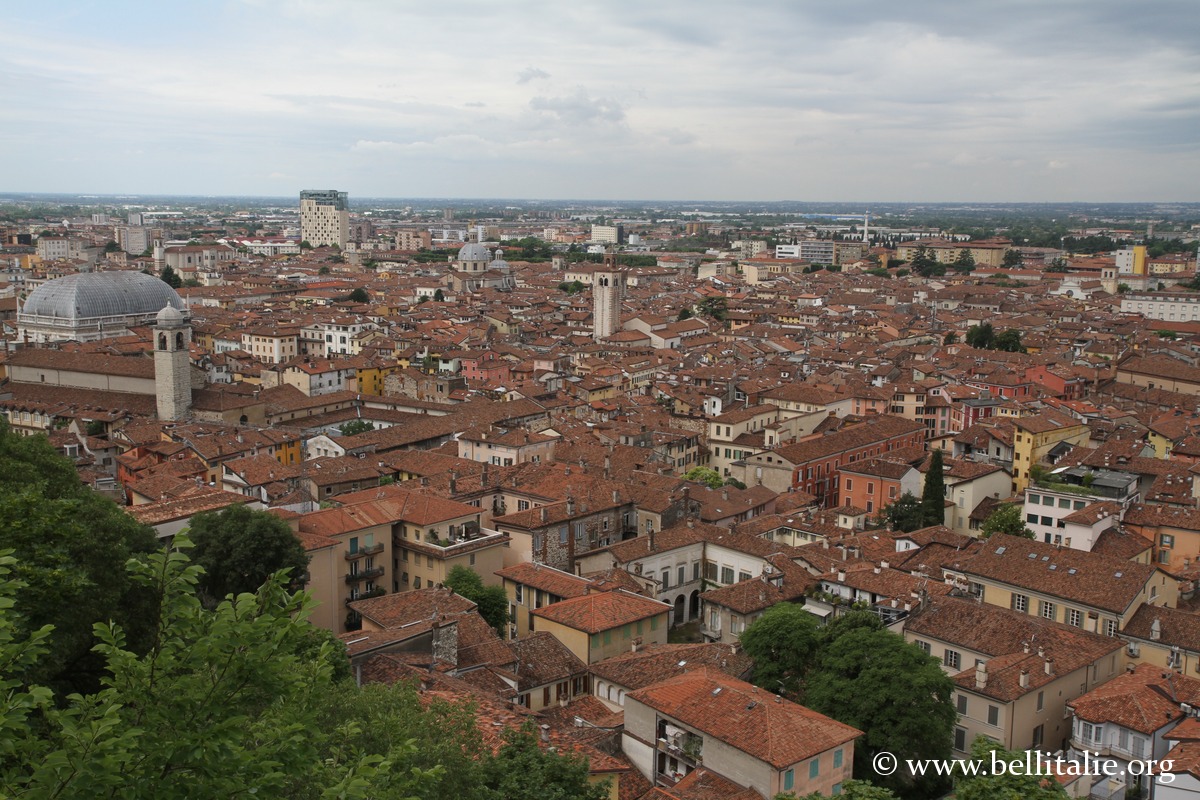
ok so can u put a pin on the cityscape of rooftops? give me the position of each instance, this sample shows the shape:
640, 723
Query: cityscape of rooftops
773, 401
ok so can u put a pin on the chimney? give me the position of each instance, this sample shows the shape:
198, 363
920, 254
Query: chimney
424, 480
981, 675
841, 576
1049, 666
453, 482
878, 570
1025, 647
724, 494
607, 465
1155, 630
884, 564
1024, 679
542, 509
545, 733
616, 496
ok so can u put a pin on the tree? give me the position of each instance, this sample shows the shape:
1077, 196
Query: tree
359, 295
964, 262
1058, 265
685, 313
1009, 341
111, 247
1006, 519
170, 277
439, 296
323, 271
220, 703
304, 245
893, 692
714, 307
1012, 259
356, 426
987, 785
522, 770
950, 338
851, 790
981, 336
782, 643
933, 493
925, 264
572, 288
240, 548
491, 601
71, 546
904, 514
192, 283
705, 475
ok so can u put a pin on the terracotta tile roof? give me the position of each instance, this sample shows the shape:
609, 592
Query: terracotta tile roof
744, 717
542, 659
1177, 628
602, 611
394, 610
539, 576
1144, 700
1078, 576
657, 662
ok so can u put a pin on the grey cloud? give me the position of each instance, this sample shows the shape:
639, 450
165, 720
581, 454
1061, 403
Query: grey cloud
531, 73
580, 108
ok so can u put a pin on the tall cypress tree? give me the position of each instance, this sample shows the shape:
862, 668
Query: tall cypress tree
933, 497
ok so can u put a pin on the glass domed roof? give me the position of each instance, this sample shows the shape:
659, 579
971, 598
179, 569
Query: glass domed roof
101, 294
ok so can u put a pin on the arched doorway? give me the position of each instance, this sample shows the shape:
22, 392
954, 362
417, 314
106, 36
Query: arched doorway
680, 611
695, 604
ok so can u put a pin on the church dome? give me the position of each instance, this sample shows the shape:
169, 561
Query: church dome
498, 263
169, 317
89, 295
474, 251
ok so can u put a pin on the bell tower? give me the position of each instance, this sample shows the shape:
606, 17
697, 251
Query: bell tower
172, 370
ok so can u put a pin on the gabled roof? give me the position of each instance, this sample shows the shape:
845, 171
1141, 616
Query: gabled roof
602, 611
744, 717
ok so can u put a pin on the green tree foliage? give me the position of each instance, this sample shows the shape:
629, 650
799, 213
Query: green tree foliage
685, 313
323, 271
572, 287
439, 296
170, 277
783, 643
240, 548
981, 336
359, 295
492, 601
904, 514
1007, 786
71, 546
1006, 519
714, 308
926, 264
950, 338
933, 494
706, 475
851, 790
1012, 259
964, 262
356, 426
1009, 341
893, 692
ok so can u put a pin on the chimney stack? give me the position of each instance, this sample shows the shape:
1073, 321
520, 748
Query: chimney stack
981, 675
1024, 679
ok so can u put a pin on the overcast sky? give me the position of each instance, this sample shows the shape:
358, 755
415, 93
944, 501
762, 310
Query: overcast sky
1013, 100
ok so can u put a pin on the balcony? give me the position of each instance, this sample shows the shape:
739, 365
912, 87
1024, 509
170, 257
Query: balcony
378, 591
364, 575
374, 550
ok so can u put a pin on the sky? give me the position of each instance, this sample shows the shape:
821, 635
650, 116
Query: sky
920, 101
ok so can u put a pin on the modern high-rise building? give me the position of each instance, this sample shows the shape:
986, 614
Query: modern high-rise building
324, 217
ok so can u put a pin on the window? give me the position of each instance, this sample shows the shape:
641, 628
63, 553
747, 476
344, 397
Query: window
814, 768
654, 623
923, 645
1031, 518
417, 582
960, 739
1041, 701
666, 579
1048, 501
952, 659
1048, 521
562, 535
962, 704
789, 779
1110, 627
682, 575
522, 505
1020, 603
726, 574
1038, 735
1047, 610
745, 576
993, 716
837, 758
1166, 541
849, 484
1064, 503
1075, 617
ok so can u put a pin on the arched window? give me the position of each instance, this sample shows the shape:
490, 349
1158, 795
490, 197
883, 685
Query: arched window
162, 341
179, 341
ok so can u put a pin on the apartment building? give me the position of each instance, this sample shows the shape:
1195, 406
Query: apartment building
324, 217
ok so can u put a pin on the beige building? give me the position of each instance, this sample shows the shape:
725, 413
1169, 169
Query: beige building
738, 731
531, 586
602, 624
1013, 673
324, 217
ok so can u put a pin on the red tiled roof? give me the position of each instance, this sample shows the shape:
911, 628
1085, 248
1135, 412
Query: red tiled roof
602, 611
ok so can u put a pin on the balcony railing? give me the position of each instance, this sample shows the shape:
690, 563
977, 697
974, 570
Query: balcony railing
373, 550
364, 575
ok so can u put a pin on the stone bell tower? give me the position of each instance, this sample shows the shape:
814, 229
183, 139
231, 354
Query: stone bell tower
172, 370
